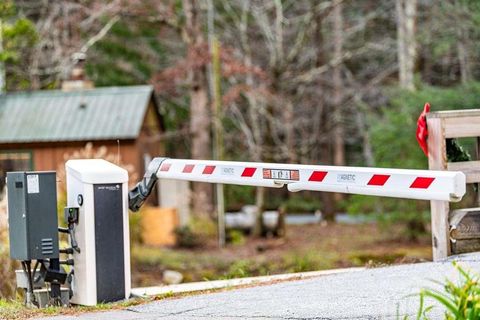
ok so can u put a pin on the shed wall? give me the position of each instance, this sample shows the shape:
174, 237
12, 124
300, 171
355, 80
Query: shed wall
50, 158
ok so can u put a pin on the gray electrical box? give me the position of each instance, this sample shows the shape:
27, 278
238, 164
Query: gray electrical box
32, 215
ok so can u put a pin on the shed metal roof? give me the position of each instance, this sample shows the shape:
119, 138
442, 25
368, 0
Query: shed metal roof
87, 115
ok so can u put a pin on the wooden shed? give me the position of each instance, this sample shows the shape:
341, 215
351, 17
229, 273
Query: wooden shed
39, 130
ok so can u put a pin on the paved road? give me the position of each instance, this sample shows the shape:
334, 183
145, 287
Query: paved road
380, 293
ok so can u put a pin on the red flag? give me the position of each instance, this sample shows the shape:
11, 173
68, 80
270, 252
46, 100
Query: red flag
422, 131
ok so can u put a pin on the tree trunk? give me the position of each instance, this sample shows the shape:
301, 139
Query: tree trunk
260, 204
465, 67
255, 149
3, 78
406, 16
338, 114
199, 112
462, 45
288, 117
324, 152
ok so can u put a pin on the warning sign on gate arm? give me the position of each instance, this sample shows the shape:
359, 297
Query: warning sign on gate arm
281, 174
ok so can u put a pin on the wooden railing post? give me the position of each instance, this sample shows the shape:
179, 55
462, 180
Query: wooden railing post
437, 160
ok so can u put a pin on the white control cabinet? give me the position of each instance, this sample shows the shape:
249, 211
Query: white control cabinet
102, 268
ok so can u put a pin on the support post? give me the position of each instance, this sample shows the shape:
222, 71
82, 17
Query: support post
218, 136
55, 292
437, 160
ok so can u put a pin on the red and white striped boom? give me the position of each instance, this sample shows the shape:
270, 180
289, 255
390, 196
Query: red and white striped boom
398, 183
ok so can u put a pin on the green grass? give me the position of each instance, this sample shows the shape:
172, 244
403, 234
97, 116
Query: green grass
306, 248
194, 265
198, 266
13, 309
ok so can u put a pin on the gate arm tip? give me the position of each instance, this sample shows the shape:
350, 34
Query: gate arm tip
139, 194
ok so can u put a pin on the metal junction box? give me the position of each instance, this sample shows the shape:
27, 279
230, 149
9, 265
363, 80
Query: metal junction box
32, 215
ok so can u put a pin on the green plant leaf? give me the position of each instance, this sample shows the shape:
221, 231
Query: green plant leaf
445, 301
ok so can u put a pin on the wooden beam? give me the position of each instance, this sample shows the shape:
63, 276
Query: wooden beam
464, 246
462, 127
465, 224
470, 168
462, 113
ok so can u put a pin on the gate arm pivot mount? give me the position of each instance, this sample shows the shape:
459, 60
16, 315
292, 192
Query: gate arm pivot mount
140, 193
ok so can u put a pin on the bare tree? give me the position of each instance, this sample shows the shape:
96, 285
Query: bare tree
298, 111
64, 28
198, 91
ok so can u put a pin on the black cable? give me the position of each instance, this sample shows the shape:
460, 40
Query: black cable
30, 279
28, 283
66, 250
35, 271
27, 269
69, 281
42, 262
73, 240
63, 230
69, 262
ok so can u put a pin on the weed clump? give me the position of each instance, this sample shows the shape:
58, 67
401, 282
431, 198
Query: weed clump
460, 301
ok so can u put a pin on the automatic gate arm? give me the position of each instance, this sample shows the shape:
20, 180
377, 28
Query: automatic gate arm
396, 183
385, 182
140, 193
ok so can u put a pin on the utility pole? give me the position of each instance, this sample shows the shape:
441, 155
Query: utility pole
218, 137
215, 89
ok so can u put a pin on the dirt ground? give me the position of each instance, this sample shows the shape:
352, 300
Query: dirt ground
305, 248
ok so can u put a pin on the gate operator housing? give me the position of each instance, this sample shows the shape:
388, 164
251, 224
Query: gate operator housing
32, 215
102, 267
